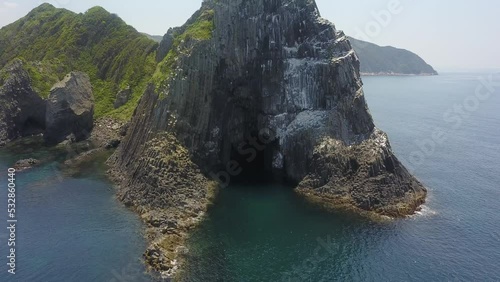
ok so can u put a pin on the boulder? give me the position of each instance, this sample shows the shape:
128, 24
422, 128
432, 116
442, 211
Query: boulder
123, 97
70, 109
22, 110
113, 144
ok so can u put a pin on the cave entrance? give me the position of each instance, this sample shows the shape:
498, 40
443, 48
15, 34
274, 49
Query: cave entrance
251, 161
32, 127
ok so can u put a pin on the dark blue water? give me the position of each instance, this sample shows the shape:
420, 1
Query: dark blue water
269, 234
69, 228
73, 229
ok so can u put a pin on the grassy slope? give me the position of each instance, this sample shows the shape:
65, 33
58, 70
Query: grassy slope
200, 30
53, 42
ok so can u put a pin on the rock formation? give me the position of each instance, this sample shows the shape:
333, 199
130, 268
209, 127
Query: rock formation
26, 164
70, 109
123, 97
261, 84
22, 111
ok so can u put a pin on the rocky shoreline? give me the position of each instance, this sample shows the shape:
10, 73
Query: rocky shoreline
167, 229
169, 206
167, 226
165, 187
364, 177
105, 137
342, 203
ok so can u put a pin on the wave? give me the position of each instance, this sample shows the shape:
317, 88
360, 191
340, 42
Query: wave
424, 211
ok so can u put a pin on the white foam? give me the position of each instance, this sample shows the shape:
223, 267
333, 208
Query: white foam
424, 211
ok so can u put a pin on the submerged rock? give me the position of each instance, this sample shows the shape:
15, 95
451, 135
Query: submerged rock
258, 84
22, 111
26, 164
70, 109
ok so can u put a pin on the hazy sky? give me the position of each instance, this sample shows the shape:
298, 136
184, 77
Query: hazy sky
448, 34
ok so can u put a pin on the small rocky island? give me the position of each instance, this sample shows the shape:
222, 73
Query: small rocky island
243, 89
272, 73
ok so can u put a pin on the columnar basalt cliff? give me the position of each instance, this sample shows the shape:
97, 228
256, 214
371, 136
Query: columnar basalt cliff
239, 68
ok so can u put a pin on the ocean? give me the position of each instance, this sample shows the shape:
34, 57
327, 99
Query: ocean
270, 234
444, 128
70, 227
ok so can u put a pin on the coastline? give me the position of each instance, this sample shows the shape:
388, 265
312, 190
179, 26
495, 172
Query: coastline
339, 203
171, 196
166, 230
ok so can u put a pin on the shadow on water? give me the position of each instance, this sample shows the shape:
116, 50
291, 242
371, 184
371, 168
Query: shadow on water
265, 232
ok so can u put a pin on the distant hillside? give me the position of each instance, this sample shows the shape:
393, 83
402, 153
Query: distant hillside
53, 42
377, 60
157, 38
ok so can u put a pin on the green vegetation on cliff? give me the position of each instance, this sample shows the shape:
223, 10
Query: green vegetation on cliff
52, 42
200, 30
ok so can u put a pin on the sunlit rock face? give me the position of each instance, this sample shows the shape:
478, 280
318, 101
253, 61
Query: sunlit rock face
275, 72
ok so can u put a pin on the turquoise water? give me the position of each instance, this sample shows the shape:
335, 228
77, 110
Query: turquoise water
266, 233
69, 228
72, 228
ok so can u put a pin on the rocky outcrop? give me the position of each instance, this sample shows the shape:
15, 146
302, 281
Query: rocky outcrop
258, 84
70, 109
26, 164
366, 177
123, 97
22, 111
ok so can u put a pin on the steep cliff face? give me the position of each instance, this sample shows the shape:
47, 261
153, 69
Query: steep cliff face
261, 84
22, 111
267, 65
